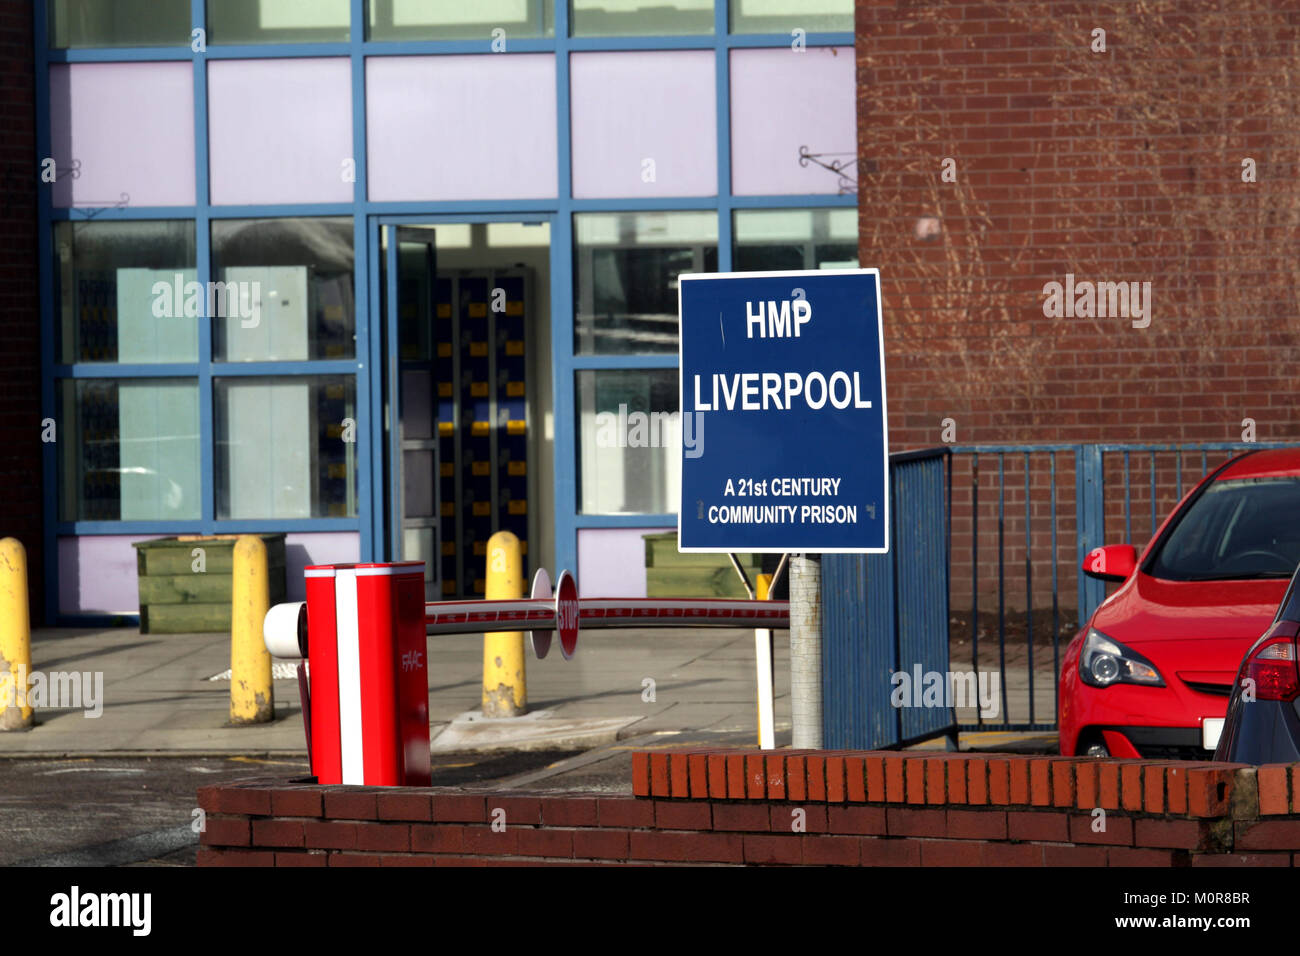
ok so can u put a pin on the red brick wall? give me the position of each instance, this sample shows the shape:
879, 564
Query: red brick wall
20, 343
786, 807
1123, 165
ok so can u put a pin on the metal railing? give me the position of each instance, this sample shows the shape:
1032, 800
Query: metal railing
1022, 468
886, 613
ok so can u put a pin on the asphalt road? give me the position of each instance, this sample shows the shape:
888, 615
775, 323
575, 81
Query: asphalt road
141, 811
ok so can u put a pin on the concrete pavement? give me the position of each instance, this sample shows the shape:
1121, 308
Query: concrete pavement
157, 697
643, 685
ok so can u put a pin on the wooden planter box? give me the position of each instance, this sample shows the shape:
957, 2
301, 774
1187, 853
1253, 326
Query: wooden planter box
669, 573
176, 599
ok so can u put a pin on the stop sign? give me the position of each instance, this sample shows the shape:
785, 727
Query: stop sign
566, 613
541, 640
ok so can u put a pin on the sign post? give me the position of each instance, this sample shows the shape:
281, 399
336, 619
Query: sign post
806, 651
784, 434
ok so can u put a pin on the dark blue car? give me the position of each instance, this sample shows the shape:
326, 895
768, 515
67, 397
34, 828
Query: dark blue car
1263, 722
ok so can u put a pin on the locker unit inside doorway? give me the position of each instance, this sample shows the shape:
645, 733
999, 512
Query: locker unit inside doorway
480, 366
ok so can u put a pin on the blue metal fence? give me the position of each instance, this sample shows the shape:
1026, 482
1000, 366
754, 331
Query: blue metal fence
1009, 678
1098, 518
883, 614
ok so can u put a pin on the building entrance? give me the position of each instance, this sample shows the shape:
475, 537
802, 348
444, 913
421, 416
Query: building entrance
460, 395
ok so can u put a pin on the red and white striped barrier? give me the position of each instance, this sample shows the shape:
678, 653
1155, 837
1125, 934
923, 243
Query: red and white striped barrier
362, 630
368, 674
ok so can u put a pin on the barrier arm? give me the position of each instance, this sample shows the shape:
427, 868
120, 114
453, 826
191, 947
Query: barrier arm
366, 707
539, 614
286, 624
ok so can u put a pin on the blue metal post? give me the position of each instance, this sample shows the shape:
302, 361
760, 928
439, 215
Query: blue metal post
1090, 497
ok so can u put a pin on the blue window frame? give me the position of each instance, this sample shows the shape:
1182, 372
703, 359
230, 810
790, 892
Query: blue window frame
366, 216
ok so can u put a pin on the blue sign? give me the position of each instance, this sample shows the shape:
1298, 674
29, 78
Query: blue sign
784, 437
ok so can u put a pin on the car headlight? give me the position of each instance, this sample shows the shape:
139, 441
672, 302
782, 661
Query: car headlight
1105, 661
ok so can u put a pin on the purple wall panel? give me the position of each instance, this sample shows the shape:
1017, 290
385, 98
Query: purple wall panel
317, 547
781, 100
130, 126
97, 574
633, 109
461, 127
279, 130
611, 561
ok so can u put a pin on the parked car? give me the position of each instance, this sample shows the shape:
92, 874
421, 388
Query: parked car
1263, 723
1151, 672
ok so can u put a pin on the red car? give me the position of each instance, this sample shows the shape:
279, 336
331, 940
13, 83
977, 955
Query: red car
1151, 673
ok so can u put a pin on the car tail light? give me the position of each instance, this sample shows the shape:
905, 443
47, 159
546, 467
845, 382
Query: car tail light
1273, 669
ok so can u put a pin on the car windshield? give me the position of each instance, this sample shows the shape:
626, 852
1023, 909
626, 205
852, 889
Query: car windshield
1238, 529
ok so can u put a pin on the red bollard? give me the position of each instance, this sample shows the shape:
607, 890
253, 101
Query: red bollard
369, 675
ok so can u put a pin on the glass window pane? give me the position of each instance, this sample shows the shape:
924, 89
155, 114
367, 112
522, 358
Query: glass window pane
278, 21
129, 449
286, 446
626, 267
416, 265
836, 255
771, 240
629, 441
90, 23
783, 16
287, 286
126, 292
458, 20
605, 18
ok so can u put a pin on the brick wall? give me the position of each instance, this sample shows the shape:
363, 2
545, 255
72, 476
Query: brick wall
20, 355
786, 807
1122, 165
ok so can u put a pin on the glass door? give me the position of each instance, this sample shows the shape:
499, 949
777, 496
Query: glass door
412, 465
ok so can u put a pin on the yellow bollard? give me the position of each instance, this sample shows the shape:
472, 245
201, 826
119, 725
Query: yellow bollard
15, 637
505, 691
251, 698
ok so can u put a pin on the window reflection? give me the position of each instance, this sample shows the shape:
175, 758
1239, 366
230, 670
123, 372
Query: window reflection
626, 267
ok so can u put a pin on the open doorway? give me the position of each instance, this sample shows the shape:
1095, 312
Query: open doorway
466, 386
